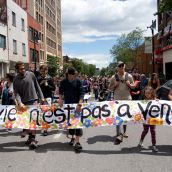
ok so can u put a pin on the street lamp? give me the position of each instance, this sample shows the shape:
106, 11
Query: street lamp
152, 27
36, 40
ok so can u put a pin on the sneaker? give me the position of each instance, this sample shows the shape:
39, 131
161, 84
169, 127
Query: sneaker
72, 142
9, 130
45, 133
28, 142
33, 145
154, 149
141, 146
23, 134
78, 146
125, 135
118, 139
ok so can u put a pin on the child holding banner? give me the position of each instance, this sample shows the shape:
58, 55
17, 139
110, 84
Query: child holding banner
149, 94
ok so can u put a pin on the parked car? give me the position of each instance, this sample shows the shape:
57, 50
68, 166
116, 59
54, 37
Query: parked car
163, 91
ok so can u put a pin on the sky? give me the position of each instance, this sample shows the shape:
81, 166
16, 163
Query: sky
91, 27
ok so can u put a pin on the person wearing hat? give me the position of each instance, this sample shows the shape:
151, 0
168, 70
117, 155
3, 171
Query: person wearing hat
121, 83
71, 89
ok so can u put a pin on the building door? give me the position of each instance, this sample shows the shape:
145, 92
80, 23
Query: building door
168, 67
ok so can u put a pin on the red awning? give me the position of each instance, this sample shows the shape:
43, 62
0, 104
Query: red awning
159, 60
158, 51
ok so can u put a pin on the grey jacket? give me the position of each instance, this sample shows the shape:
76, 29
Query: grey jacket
26, 88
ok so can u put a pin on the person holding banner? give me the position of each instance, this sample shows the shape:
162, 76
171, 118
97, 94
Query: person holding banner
149, 94
154, 82
27, 92
121, 83
71, 90
7, 92
47, 86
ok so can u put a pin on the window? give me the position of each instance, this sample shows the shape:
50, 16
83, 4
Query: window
33, 56
37, 19
42, 55
14, 46
2, 41
41, 3
13, 19
23, 25
23, 49
59, 48
31, 35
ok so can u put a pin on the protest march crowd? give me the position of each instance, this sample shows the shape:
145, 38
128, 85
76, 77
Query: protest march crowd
28, 88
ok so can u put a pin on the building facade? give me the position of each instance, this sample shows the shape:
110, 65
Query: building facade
33, 44
48, 14
17, 34
14, 38
144, 61
3, 50
164, 37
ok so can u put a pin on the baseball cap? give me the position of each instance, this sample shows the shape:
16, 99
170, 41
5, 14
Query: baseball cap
71, 71
120, 63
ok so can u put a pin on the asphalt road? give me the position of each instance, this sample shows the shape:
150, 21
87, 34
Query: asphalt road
99, 152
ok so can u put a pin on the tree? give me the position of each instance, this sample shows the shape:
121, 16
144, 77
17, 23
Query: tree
103, 72
65, 66
77, 64
127, 45
91, 69
53, 65
165, 6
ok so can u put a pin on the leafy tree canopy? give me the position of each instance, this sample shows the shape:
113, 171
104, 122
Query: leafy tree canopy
125, 48
53, 65
165, 6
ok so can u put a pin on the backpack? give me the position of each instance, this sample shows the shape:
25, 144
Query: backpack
126, 76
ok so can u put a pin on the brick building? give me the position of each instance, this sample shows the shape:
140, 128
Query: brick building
33, 43
164, 38
48, 14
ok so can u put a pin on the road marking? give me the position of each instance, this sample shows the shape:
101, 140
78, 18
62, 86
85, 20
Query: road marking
57, 136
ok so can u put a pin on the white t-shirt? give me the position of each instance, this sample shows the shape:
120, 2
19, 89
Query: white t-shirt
120, 88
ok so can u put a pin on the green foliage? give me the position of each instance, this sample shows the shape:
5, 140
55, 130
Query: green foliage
81, 67
53, 65
110, 70
77, 64
125, 48
165, 6
65, 66
91, 69
103, 72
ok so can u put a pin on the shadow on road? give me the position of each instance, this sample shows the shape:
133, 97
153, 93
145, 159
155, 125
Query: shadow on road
164, 150
5, 133
100, 138
20, 146
13, 147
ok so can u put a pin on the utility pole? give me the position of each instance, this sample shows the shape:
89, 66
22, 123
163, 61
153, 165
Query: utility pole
152, 27
34, 53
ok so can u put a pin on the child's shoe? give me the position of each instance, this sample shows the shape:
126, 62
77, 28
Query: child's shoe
154, 149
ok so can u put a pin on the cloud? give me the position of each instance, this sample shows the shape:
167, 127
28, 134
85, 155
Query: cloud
90, 20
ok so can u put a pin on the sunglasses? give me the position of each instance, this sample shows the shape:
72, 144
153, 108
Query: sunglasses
121, 65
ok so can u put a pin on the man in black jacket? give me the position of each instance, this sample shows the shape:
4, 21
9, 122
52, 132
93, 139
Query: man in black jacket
47, 86
72, 89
